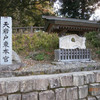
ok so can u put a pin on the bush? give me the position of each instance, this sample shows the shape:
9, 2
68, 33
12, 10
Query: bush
93, 38
26, 43
93, 42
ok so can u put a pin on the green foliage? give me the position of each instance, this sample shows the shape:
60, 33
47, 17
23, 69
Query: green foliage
73, 40
77, 8
26, 43
93, 42
41, 56
93, 38
98, 52
26, 12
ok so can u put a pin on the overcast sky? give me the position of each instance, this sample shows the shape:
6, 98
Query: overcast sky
96, 15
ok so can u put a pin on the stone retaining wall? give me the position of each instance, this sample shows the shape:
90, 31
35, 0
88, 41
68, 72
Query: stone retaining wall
67, 86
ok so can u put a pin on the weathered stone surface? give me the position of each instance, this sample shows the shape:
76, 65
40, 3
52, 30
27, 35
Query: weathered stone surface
71, 93
3, 98
91, 98
7, 70
98, 77
33, 84
54, 82
41, 83
2, 87
66, 80
14, 97
30, 96
47, 95
83, 91
72, 42
98, 97
15, 57
16, 88
90, 78
94, 89
26, 86
78, 79
60, 94
12, 86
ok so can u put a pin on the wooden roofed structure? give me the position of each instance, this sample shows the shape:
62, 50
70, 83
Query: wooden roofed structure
64, 25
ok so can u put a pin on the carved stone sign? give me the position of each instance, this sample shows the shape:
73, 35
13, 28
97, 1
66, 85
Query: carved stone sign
72, 42
5, 40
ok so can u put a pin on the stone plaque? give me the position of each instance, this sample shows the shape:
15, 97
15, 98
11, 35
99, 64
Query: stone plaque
72, 42
5, 40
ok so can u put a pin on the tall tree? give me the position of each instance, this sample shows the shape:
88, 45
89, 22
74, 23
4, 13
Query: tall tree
26, 12
77, 8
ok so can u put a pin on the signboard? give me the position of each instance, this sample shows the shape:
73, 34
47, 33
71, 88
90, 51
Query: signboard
5, 40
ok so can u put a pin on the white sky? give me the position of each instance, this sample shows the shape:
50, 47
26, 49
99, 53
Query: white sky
57, 5
95, 16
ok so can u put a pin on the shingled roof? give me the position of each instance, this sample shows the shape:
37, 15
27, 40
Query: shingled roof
61, 25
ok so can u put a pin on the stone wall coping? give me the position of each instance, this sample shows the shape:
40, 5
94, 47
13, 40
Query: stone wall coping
21, 78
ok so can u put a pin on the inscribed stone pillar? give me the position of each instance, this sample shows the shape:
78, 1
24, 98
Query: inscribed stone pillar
5, 40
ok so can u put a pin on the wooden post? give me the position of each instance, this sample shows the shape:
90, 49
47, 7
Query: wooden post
31, 29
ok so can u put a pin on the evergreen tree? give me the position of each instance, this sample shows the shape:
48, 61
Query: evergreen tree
77, 8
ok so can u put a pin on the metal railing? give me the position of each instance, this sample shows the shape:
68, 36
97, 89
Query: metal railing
72, 54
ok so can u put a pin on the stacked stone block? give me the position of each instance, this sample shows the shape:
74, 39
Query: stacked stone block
67, 86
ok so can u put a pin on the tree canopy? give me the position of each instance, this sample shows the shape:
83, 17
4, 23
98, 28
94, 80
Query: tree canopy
81, 9
26, 12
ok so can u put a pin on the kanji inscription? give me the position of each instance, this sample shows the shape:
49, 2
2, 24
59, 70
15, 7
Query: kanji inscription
5, 40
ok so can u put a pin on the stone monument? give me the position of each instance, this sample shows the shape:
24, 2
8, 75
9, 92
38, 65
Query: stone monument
5, 40
72, 42
72, 48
